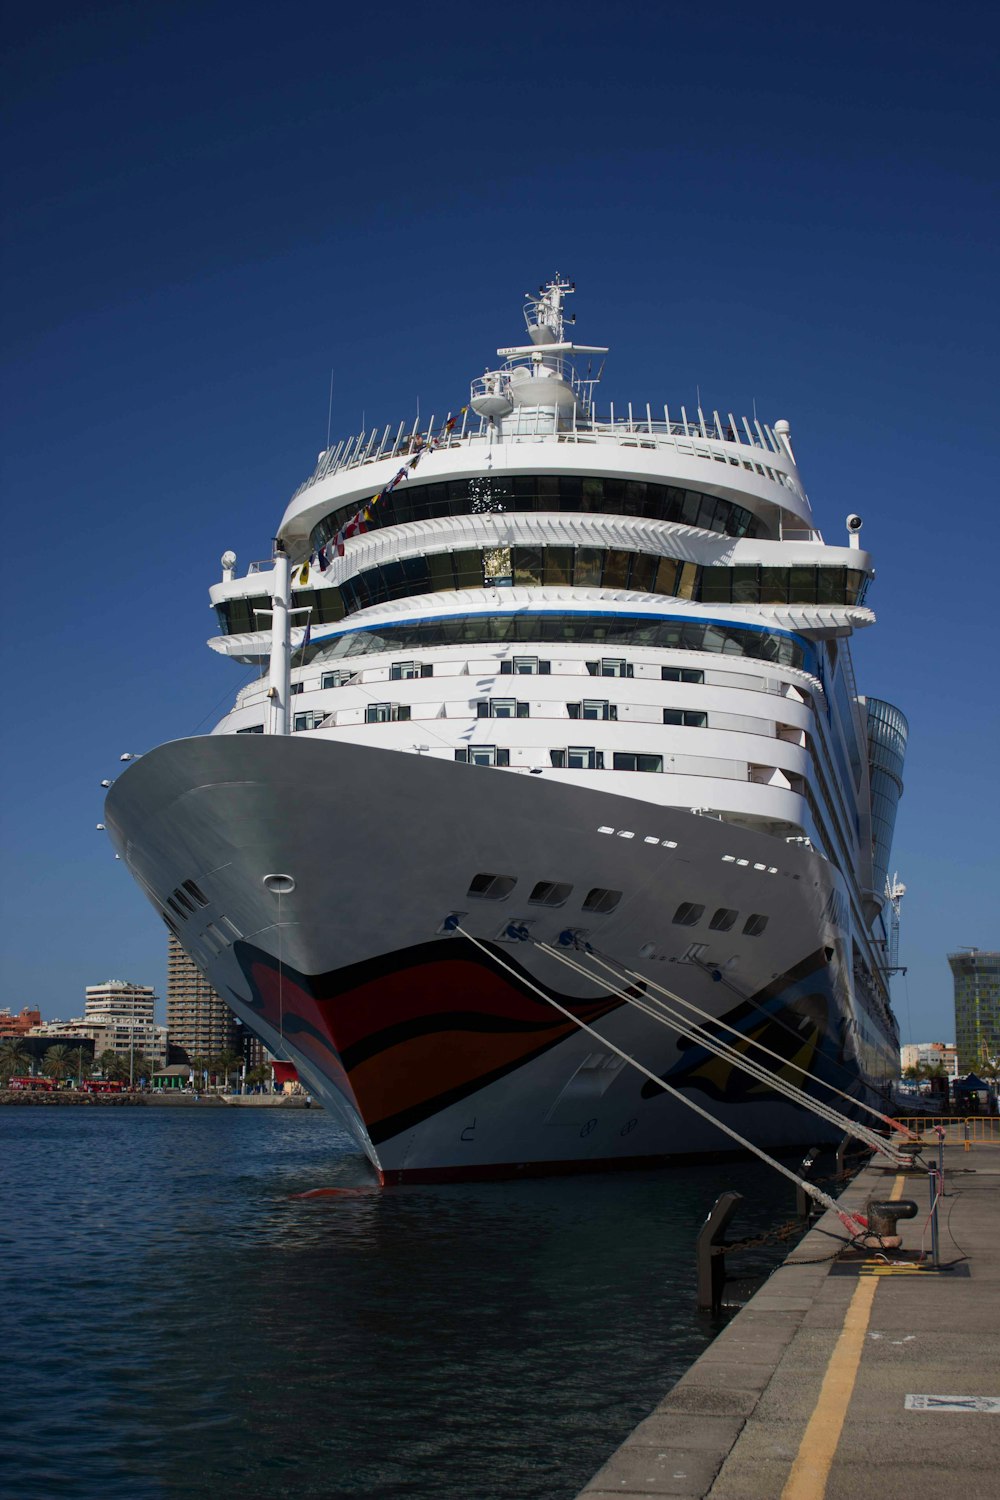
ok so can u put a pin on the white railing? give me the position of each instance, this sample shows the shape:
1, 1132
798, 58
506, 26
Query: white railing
749, 446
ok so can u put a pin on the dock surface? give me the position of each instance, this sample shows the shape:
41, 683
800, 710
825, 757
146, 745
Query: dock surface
829, 1383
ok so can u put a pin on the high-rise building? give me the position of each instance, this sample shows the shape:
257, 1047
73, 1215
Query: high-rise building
120, 1017
976, 973
930, 1055
199, 1021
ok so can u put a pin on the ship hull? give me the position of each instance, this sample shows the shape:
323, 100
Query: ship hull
447, 1061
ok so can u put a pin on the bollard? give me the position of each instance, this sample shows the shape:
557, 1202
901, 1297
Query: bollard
882, 1222
711, 1251
804, 1204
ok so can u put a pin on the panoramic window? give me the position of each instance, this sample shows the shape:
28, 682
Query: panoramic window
251, 729
601, 900
671, 633
335, 679
681, 674
688, 913
551, 492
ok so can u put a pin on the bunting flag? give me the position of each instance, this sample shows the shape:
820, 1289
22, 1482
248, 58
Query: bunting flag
303, 578
304, 643
359, 522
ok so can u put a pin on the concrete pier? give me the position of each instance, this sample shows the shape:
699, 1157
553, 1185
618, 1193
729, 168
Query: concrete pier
829, 1383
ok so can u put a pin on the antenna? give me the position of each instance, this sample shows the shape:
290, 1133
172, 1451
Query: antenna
329, 411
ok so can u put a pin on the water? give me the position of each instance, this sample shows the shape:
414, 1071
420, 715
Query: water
176, 1323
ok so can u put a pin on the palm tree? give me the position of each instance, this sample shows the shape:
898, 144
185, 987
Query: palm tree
142, 1067
257, 1075
113, 1065
57, 1063
14, 1057
226, 1063
200, 1067
82, 1064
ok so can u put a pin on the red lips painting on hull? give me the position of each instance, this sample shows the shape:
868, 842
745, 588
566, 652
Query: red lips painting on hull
409, 1033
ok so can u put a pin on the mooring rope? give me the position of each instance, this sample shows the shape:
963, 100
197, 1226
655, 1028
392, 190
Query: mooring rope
854, 1226
665, 1016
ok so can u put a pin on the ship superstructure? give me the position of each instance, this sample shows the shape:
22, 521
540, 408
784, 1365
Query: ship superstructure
632, 621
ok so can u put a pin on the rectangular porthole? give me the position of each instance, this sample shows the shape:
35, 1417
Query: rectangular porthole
549, 893
196, 892
688, 914
601, 900
723, 919
491, 887
754, 925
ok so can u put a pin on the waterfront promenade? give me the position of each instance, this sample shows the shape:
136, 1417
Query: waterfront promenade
808, 1394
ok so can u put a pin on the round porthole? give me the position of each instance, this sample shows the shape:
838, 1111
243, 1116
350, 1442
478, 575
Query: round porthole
279, 885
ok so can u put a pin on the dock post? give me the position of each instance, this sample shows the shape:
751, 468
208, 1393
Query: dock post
711, 1250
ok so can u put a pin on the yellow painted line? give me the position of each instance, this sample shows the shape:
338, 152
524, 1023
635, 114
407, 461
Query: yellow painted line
811, 1468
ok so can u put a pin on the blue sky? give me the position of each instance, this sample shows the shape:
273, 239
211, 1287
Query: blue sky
210, 206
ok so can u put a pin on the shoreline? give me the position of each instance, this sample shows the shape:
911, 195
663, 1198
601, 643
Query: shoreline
174, 1100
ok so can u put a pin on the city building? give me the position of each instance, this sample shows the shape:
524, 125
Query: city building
928, 1055
124, 1012
199, 1021
976, 973
19, 1025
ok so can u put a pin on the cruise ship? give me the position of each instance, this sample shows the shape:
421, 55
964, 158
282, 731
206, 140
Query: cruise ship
552, 709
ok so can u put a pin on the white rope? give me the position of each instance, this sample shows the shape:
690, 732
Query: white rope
853, 1226
693, 1032
665, 1016
851, 1098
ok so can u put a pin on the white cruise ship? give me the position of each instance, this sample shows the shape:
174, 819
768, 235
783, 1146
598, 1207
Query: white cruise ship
549, 696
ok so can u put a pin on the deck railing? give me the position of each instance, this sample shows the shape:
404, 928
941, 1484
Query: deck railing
753, 447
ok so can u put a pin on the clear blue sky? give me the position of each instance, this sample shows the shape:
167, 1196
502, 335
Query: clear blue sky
210, 205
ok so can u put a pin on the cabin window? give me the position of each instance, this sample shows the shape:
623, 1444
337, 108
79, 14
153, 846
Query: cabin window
688, 717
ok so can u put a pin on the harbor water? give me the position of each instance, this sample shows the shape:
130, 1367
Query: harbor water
178, 1323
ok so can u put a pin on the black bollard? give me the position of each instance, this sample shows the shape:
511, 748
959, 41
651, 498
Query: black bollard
712, 1252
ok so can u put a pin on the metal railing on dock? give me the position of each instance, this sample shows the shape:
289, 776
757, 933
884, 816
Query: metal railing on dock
974, 1130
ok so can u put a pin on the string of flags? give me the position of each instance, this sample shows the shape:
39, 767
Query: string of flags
357, 524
